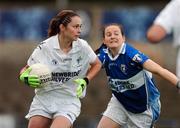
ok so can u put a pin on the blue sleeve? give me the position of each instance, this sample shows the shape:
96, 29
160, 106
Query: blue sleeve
101, 53
136, 55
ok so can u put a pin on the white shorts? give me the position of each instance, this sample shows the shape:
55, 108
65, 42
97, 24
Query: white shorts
53, 104
117, 113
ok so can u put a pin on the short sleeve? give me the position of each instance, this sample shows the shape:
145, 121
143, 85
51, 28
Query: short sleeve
101, 53
167, 15
91, 54
35, 57
136, 55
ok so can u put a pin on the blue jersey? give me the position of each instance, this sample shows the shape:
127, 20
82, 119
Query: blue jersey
132, 85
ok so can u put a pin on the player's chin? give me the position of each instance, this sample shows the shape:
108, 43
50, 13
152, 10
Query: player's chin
75, 38
114, 45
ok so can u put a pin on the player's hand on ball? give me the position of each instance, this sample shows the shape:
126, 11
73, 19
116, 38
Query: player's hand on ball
37, 75
31, 80
81, 86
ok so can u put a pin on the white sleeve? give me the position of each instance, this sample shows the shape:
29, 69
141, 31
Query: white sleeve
167, 15
91, 54
35, 57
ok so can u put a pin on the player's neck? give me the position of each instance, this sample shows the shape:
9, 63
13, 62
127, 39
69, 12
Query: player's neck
114, 51
65, 44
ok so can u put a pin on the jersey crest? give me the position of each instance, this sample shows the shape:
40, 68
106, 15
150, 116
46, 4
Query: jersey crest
137, 58
123, 68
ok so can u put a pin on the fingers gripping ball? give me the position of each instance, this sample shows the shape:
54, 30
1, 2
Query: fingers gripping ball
31, 80
43, 73
36, 76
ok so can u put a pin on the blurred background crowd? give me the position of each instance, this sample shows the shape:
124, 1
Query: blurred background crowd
23, 24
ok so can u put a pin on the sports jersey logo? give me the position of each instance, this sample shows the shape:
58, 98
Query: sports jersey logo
120, 86
63, 77
78, 60
137, 58
54, 62
123, 68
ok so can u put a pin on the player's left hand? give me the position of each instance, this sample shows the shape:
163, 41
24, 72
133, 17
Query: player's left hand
81, 86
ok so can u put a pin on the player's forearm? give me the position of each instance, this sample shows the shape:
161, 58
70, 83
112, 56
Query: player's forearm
23, 69
169, 76
162, 72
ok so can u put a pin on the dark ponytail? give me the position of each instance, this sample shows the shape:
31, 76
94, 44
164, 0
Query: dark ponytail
54, 27
63, 17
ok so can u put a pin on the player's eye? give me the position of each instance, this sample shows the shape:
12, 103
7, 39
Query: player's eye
77, 26
108, 34
117, 33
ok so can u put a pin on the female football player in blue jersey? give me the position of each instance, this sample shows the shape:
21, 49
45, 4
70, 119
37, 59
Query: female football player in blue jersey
72, 63
135, 101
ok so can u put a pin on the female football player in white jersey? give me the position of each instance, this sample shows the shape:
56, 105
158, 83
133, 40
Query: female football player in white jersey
72, 63
135, 99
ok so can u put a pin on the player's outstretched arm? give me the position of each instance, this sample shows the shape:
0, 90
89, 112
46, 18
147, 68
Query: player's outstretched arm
157, 69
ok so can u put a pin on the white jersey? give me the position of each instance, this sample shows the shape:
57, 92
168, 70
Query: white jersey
64, 67
169, 19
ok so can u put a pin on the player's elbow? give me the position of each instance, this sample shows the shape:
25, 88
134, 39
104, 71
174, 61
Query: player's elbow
156, 33
152, 38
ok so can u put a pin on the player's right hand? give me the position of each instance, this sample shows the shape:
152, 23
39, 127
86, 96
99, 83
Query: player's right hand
81, 85
30, 80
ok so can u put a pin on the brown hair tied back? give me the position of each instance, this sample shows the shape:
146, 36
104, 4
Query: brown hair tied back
63, 17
